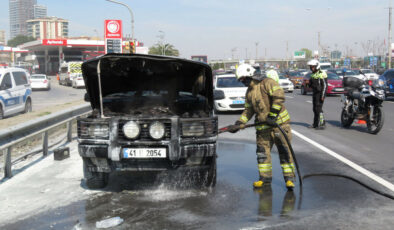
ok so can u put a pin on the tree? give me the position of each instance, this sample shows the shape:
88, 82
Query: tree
18, 40
166, 49
308, 53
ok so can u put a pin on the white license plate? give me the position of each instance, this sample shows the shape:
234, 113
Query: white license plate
144, 153
239, 102
339, 89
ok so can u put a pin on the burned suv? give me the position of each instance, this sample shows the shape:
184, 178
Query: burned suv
150, 113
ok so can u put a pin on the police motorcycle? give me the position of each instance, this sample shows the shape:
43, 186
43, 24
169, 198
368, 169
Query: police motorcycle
363, 101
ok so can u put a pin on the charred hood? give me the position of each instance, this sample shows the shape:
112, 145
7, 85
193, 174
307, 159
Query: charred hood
124, 72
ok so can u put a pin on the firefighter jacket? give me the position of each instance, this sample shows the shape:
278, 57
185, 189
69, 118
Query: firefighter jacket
318, 82
263, 99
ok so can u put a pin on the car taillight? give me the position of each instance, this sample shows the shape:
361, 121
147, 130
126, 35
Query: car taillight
370, 82
45, 81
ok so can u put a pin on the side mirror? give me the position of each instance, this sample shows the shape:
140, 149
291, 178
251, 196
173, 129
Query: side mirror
86, 97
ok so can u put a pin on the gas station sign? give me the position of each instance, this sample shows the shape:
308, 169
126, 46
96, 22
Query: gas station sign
113, 36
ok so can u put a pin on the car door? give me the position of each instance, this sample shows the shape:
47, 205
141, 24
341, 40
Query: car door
21, 89
7, 97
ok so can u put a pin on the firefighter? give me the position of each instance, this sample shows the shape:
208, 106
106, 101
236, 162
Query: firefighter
318, 83
265, 99
271, 73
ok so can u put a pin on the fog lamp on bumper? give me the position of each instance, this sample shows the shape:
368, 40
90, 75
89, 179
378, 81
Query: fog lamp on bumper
93, 130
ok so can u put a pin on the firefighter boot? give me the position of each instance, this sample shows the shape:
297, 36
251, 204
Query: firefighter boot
290, 185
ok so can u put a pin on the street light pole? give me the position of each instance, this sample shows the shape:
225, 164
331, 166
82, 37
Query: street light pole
131, 14
97, 48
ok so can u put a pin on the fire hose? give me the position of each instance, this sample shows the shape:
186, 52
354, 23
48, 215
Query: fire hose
300, 178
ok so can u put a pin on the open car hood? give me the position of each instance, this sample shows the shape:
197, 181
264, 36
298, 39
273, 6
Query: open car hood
121, 73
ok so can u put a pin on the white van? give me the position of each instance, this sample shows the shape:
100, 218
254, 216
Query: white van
15, 92
68, 71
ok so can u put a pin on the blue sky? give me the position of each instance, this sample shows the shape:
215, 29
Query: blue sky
215, 27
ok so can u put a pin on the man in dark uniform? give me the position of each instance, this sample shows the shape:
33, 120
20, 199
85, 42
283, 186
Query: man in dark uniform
318, 83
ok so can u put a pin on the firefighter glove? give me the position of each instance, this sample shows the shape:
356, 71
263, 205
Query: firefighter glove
271, 120
233, 128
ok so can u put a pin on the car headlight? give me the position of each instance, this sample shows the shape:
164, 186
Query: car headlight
131, 129
157, 130
380, 82
193, 129
330, 84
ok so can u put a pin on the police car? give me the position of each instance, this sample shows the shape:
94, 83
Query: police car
229, 93
15, 92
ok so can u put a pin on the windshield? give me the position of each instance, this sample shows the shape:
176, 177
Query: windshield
37, 76
282, 77
367, 71
325, 66
228, 82
333, 76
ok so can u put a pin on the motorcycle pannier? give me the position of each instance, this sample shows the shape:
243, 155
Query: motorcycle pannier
352, 82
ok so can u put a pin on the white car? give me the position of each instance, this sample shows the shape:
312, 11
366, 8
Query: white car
40, 81
370, 74
78, 82
229, 93
15, 92
286, 84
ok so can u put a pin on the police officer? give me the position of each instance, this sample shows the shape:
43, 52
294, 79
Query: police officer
318, 83
265, 99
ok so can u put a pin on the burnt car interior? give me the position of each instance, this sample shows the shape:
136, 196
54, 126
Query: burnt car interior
141, 85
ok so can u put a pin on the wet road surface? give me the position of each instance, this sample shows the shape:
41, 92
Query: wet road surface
325, 203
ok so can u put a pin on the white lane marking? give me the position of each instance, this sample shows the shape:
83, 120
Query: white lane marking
309, 101
390, 101
289, 97
358, 168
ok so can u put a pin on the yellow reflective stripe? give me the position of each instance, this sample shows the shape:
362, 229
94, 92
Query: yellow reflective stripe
273, 90
277, 107
265, 167
247, 105
262, 127
244, 118
283, 117
271, 114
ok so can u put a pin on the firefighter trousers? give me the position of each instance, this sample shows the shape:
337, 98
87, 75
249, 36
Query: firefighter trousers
318, 118
265, 140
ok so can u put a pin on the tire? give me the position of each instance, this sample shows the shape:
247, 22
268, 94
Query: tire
1, 113
303, 92
94, 180
28, 106
346, 120
208, 176
376, 126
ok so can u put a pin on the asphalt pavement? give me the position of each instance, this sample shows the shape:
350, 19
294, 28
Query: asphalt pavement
57, 95
51, 194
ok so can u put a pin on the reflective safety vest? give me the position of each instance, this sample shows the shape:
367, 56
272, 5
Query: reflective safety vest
273, 75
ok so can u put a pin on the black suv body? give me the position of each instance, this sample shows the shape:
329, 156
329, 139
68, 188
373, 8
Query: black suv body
150, 113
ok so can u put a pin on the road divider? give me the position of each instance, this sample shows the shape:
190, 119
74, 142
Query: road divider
353, 165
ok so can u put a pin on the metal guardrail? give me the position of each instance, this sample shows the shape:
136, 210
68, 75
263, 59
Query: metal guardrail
9, 137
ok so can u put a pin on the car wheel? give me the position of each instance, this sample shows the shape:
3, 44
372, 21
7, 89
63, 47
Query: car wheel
303, 92
1, 113
94, 180
28, 106
209, 176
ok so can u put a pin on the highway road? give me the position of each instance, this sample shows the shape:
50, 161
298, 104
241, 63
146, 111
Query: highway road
52, 195
57, 95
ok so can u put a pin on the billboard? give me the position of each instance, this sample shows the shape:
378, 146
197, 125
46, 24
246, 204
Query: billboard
113, 36
299, 54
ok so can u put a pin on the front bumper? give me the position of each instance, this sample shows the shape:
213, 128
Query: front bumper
106, 154
229, 105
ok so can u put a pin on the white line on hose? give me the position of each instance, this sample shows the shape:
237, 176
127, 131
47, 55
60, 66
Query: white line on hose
355, 166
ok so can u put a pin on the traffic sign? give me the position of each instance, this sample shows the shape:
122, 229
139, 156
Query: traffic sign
299, 54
